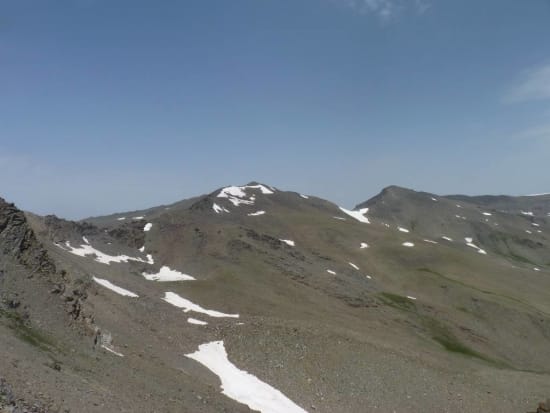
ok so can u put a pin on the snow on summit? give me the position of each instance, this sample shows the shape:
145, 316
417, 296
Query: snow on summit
237, 194
240, 385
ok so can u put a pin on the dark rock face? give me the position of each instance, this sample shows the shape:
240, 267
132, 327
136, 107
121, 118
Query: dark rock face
18, 241
130, 234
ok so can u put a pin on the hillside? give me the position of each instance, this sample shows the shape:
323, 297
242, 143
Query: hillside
410, 302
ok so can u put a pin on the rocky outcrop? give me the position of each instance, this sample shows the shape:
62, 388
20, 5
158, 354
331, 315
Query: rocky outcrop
18, 241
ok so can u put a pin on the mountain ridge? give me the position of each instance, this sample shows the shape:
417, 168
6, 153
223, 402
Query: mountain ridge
335, 307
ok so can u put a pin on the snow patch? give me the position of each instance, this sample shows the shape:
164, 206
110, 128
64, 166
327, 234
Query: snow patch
430, 241
358, 215
353, 265
433, 199
487, 214
288, 242
408, 244
138, 218
237, 194
447, 238
142, 249
121, 219
364, 245
147, 227
304, 196
536, 269
402, 229
240, 385
218, 209
88, 250
410, 297
528, 213
255, 214
166, 274
472, 245
110, 350
85, 240
192, 320
180, 302
331, 272
339, 218
115, 288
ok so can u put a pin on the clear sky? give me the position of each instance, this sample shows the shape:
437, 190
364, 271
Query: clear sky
111, 105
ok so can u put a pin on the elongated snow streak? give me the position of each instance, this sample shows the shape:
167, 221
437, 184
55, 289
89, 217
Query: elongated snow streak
180, 302
433, 199
304, 196
472, 245
116, 353
115, 288
192, 320
255, 214
86, 250
402, 229
447, 238
219, 209
488, 214
530, 214
410, 297
167, 274
288, 242
358, 215
331, 272
364, 245
430, 241
353, 265
85, 240
147, 227
121, 219
340, 218
137, 218
408, 244
240, 385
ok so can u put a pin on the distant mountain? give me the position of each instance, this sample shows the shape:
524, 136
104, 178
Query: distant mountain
251, 298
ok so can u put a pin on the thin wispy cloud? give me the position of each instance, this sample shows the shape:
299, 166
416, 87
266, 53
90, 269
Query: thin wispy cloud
387, 9
534, 84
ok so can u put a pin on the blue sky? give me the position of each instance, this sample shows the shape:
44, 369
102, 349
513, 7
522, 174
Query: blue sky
115, 105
